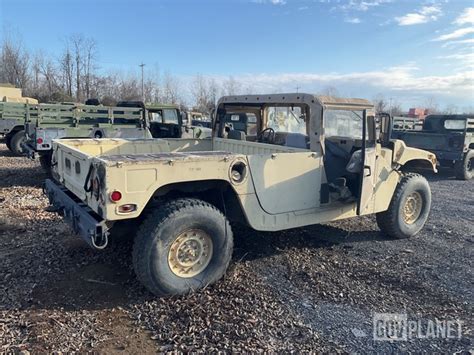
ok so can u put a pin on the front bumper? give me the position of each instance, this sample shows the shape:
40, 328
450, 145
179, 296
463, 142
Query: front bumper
85, 222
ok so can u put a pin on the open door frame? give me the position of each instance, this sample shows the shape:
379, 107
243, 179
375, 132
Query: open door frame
367, 175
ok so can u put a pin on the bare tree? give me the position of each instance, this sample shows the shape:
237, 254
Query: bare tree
14, 63
432, 105
231, 87
170, 89
77, 43
395, 108
66, 66
204, 92
380, 103
89, 65
450, 109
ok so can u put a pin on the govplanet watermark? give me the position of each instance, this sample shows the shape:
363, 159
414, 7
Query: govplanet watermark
397, 327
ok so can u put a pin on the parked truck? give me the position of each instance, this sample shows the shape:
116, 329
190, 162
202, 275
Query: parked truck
311, 159
450, 137
45, 122
13, 106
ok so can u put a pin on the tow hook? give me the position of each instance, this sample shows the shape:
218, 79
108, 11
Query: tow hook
99, 242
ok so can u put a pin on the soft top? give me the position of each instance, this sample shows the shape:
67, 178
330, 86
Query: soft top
304, 98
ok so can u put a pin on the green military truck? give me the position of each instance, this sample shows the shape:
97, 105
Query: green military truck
450, 137
12, 116
308, 160
45, 122
164, 121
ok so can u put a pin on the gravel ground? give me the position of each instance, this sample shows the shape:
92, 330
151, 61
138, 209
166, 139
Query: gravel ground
314, 288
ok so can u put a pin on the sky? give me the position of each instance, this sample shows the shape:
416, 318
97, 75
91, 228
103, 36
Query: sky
410, 51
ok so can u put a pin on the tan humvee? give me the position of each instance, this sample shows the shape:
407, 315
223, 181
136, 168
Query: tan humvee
299, 160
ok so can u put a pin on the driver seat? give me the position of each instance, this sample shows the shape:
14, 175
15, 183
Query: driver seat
236, 135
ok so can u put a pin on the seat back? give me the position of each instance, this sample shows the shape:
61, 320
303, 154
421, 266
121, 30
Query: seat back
237, 135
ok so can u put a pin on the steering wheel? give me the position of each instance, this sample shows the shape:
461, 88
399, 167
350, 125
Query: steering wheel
266, 136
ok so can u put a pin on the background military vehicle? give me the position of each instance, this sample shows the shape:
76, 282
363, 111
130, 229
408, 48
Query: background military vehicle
310, 160
12, 116
406, 123
45, 122
164, 121
450, 137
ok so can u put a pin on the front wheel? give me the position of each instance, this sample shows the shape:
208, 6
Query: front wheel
465, 168
184, 245
409, 208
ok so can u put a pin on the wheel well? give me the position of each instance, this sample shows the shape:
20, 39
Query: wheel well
471, 146
417, 164
14, 130
216, 192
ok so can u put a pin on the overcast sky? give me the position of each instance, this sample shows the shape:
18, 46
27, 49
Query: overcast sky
407, 50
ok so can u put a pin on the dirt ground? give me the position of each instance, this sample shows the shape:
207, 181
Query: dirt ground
313, 288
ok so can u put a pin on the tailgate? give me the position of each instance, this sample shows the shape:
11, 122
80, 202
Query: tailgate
72, 166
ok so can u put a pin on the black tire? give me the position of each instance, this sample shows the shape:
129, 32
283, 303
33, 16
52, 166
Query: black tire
17, 139
464, 169
8, 140
161, 229
46, 164
392, 221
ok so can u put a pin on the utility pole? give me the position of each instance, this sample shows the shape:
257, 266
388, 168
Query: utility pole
297, 88
143, 84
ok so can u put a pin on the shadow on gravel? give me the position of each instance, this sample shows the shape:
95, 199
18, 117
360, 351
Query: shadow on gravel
8, 154
251, 245
27, 177
91, 280
442, 175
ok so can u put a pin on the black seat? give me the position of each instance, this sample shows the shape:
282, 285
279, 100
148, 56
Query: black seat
335, 160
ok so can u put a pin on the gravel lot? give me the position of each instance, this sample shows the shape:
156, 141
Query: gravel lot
307, 289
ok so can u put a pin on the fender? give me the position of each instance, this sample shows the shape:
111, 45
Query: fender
402, 154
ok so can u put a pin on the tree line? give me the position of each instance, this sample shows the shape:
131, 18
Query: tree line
74, 75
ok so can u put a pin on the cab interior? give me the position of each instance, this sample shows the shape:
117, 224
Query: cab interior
288, 126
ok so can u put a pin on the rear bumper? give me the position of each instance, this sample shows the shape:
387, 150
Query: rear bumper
85, 222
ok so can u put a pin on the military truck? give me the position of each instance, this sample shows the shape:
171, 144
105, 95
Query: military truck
312, 159
12, 116
45, 122
406, 123
164, 121
450, 137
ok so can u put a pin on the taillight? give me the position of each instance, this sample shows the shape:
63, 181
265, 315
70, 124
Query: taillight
127, 208
116, 196
39, 141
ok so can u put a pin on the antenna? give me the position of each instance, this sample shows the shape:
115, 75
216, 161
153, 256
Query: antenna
143, 83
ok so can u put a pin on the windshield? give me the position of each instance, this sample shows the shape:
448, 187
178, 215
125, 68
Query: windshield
343, 123
455, 124
286, 119
170, 116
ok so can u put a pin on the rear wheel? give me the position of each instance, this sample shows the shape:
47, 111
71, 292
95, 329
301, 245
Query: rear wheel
464, 168
17, 139
8, 140
45, 162
409, 208
184, 245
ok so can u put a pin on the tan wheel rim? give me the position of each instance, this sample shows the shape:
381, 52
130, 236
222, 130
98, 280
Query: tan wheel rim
190, 253
412, 208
